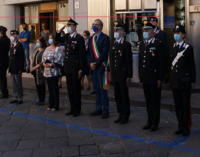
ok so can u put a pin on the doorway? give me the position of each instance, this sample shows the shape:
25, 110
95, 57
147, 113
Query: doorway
48, 19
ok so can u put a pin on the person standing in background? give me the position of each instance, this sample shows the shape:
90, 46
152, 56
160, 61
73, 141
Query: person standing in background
86, 35
4, 59
16, 67
24, 38
45, 33
37, 69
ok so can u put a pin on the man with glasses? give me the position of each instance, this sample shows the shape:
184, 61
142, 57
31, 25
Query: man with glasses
97, 55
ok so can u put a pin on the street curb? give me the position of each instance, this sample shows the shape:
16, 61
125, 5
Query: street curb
133, 102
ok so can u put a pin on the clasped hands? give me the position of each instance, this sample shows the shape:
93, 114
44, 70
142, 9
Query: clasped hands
93, 66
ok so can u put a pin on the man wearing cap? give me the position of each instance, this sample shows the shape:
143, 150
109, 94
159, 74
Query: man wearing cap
4, 50
24, 38
122, 71
182, 79
16, 66
97, 55
159, 34
74, 63
151, 74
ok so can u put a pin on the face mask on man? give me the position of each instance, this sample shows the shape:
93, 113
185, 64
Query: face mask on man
69, 29
95, 28
116, 35
12, 39
24, 28
177, 37
50, 41
145, 35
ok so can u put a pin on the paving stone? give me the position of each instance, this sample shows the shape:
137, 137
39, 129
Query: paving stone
70, 151
28, 144
106, 140
79, 134
8, 145
80, 141
161, 151
179, 153
33, 128
119, 155
133, 146
111, 148
4, 118
56, 133
33, 135
50, 127
47, 152
10, 129
57, 142
11, 136
89, 150
18, 153
144, 154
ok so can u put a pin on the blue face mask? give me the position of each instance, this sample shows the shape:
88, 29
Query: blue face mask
69, 29
95, 28
145, 35
50, 41
116, 35
24, 28
38, 45
177, 37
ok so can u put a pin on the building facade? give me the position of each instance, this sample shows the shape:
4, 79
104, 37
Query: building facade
129, 12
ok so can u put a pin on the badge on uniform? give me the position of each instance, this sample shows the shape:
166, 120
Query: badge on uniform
153, 54
73, 48
113, 48
74, 42
14, 51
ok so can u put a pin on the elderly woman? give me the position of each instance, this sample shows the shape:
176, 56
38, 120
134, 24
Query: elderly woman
52, 61
37, 69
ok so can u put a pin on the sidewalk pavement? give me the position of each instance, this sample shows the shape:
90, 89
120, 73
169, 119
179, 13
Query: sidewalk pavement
135, 93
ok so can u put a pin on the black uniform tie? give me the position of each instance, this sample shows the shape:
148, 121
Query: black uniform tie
177, 47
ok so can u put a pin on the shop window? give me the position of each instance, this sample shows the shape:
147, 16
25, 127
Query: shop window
133, 27
63, 11
34, 13
179, 9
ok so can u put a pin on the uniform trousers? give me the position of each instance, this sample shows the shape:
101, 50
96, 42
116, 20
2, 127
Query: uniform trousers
17, 86
74, 92
53, 92
41, 91
122, 99
153, 97
183, 107
3, 80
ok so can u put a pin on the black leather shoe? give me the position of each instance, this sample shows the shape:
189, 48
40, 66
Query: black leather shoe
96, 113
69, 113
178, 132
3, 96
154, 128
124, 121
105, 116
20, 102
147, 126
118, 120
76, 114
14, 101
186, 132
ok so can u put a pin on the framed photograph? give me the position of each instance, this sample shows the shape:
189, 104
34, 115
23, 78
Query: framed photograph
34, 32
60, 24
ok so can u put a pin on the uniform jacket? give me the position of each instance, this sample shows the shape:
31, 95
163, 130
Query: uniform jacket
151, 62
16, 61
121, 61
184, 72
4, 50
161, 35
75, 53
103, 46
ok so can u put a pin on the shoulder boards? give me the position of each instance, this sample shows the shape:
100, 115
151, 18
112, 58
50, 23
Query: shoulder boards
78, 34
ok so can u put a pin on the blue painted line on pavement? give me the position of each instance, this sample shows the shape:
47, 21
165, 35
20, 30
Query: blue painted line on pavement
175, 145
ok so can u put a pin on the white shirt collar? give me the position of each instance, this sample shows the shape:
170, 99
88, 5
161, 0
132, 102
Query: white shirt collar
155, 29
180, 44
119, 40
73, 34
15, 42
149, 41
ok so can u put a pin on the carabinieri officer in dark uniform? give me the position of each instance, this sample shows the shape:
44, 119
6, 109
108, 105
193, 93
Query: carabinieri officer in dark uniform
74, 63
4, 50
182, 79
122, 71
159, 34
16, 66
151, 74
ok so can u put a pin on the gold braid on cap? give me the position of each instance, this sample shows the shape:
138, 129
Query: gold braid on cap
115, 23
145, 23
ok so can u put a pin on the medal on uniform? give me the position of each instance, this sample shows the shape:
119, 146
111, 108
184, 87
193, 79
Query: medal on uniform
153, 54
150, 51
14, 51
120, 54
73, 48
119, 51
113, 48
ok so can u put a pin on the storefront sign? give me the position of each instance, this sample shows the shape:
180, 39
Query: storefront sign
169, 22
195, 8
76, 5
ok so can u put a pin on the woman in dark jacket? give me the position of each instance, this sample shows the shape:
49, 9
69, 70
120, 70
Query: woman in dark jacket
37, 69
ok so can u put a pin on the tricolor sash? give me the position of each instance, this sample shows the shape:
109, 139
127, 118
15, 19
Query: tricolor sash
106, 83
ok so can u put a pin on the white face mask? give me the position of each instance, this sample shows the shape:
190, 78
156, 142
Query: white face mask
85, 37
12, 39
92, 32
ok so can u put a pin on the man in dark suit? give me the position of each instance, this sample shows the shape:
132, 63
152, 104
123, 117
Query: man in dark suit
182, 79
122, 71
100, 43
151, 74
159, 34
74, 64
16, 66
4, 50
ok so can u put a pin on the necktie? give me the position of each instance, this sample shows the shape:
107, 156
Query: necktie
146, 44
116, 43
177, 47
